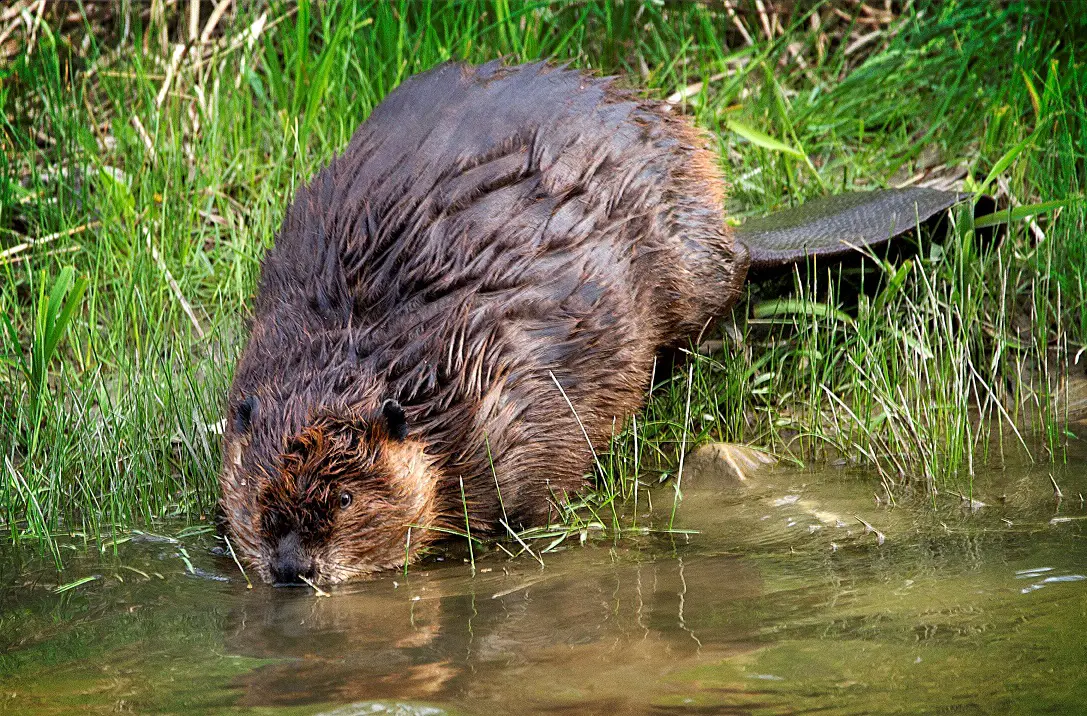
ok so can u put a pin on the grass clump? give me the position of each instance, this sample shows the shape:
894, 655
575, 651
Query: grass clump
150, 150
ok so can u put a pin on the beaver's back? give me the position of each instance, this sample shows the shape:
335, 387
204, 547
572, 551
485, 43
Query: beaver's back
486, 229
497, 178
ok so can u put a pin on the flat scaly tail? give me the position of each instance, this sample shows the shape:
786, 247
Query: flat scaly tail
836, 225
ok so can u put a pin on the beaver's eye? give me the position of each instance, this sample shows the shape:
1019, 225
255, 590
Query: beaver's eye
345, 500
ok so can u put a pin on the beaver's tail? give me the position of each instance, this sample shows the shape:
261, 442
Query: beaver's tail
836, 225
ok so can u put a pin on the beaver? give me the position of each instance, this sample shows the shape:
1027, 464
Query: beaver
470, 297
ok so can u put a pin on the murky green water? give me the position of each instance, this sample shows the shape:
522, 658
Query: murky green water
782, 604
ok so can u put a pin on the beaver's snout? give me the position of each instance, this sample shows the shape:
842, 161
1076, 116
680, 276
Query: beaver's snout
290, 564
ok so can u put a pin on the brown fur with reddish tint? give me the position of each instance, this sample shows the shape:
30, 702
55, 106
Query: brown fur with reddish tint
488, 231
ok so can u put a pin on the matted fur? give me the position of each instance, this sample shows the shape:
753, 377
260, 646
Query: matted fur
486, 228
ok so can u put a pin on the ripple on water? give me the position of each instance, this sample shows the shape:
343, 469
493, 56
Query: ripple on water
780, 597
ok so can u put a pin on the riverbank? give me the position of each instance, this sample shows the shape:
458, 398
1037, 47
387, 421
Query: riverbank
155, 152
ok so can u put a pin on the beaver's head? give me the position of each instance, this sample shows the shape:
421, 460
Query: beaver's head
341, 500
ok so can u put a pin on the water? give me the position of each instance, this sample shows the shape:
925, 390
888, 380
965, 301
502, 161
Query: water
783, 603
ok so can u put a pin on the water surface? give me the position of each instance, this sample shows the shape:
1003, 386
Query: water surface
783, 602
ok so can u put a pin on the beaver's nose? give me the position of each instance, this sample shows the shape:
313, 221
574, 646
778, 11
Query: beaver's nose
289, 564
290, 573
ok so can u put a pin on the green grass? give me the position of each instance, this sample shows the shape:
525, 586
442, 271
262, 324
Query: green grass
163, 197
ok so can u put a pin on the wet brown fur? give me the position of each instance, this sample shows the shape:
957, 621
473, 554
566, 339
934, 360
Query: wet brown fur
488, 231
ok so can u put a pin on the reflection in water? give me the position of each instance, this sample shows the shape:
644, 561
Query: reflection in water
596, 630
785, 601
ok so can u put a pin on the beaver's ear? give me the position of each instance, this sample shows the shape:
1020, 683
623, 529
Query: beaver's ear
395, 421
244, 413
